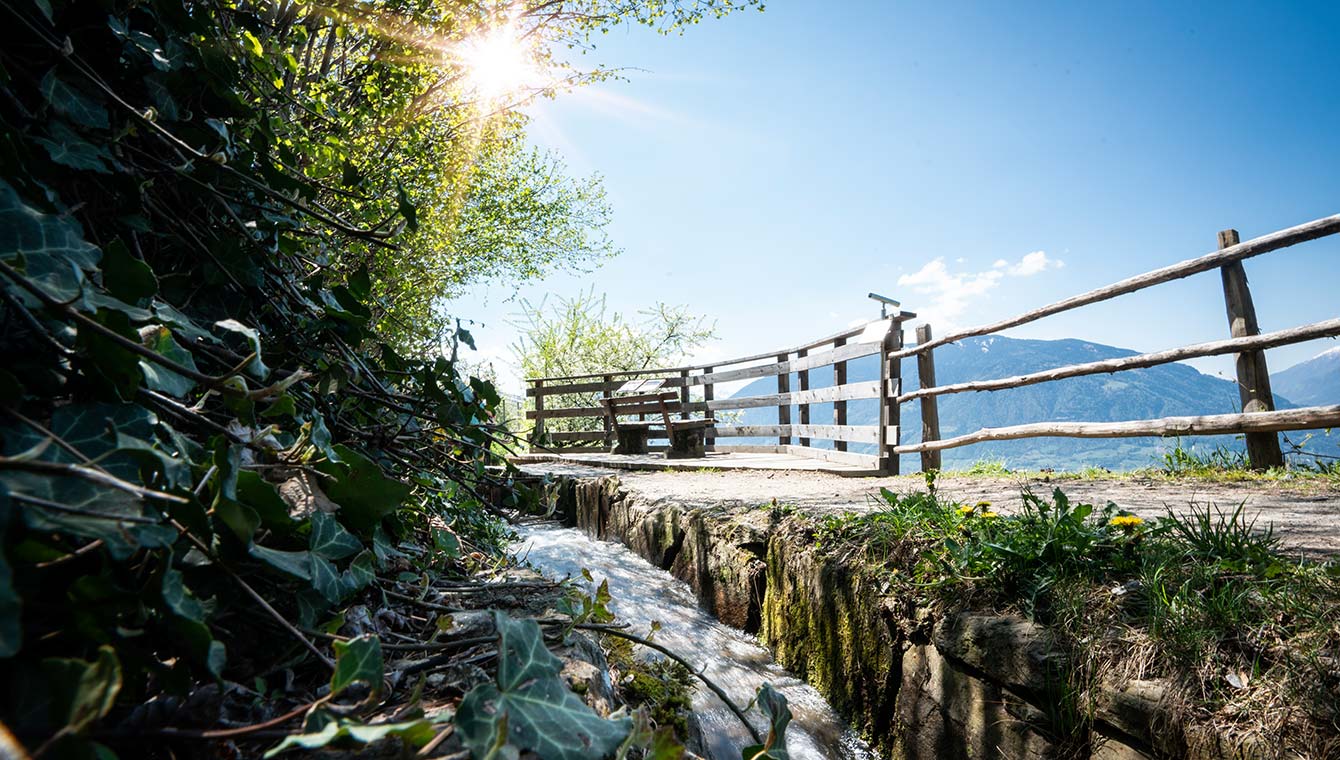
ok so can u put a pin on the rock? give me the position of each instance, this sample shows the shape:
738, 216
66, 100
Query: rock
1138, 709
1007, 648
1106, 748
304, 496
943, 712
587, 672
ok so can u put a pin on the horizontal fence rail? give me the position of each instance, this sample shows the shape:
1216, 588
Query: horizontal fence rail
573, 401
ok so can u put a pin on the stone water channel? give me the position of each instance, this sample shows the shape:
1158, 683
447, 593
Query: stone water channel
643, 593
920, 683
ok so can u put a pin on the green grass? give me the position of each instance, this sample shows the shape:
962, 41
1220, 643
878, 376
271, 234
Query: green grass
1205, 598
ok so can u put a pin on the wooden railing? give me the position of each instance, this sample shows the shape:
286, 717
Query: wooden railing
798, 436
1259, 420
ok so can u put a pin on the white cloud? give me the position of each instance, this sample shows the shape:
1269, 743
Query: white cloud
951, 294
1033, 263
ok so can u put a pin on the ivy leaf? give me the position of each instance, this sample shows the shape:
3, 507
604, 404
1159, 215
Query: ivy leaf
261, 496
358, 575
160, 378
296, 564
125, 276
330, 540
11, 606
256, 368
83, 691
328, 729
50, 249
240, 519
358, 660
362, 490
541, 714
73, 104
178, 598
325, 578
774, 706
383, 548
69, 149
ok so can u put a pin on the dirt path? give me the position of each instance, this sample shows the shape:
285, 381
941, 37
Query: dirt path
1305, 514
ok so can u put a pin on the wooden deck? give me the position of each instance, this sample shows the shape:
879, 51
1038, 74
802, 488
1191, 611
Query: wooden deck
713, 461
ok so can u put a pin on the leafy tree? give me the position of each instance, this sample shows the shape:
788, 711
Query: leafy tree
208, 438
581, 336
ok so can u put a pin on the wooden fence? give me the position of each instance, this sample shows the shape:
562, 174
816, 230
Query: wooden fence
794, 436
1259, 420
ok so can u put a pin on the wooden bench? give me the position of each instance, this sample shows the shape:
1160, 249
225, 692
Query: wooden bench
686, 436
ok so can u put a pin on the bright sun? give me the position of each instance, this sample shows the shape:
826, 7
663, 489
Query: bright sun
498, 64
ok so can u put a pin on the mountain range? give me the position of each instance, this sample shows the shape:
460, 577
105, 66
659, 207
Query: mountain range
1315, 381
1162, 391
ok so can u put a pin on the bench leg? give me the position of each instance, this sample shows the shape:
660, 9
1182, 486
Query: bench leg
631, 441
687, 444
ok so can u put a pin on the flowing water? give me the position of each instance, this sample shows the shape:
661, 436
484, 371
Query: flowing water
732, 659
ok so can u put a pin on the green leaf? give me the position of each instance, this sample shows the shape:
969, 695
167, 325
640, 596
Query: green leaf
539, 712
253, 45
774, 706
49, 249
73, 104
358, 576
358, 660
325, 578
158, 377
11, 606
296, 564
261, 496
69, 149
364, 493
415, 733
241, 520
330, 540
178, 598
83, 691
406, 208
256, 368
383, 548
125, 276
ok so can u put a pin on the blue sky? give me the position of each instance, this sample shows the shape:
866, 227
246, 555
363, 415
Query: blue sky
768, 170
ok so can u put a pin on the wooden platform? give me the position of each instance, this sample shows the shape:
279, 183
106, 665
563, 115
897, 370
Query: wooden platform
713, 461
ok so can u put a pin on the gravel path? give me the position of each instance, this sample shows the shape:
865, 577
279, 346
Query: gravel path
1305, 513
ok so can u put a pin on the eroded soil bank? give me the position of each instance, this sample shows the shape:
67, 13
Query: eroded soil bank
921, 684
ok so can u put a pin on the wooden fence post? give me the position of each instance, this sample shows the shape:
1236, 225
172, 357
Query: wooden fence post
709, 441
803, 381
538, 431
607, 394
784, 408
930, 410
1263, 449
839, 407
890, 385
684, 395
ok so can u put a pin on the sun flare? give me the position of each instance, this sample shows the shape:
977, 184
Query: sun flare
499, 63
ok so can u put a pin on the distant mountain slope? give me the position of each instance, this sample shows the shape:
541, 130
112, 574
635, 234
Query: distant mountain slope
1167, 390
1313, 382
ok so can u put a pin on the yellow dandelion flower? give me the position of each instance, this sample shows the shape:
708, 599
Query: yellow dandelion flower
966, 511
1126, 522
989, 514
983, 504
